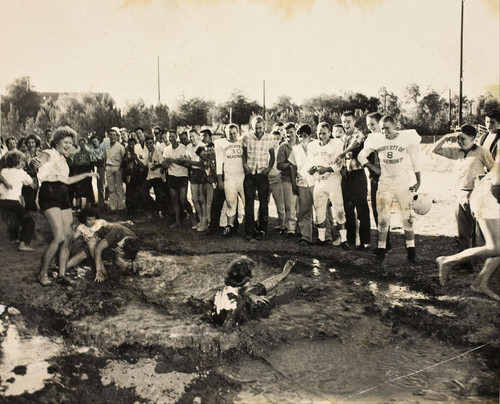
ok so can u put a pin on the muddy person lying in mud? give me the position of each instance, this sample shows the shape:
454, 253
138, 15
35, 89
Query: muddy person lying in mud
239, 300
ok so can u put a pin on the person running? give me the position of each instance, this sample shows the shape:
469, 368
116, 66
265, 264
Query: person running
393, 147
230, 174
328, 182
485, 205
239, 300
53, 174
10, 199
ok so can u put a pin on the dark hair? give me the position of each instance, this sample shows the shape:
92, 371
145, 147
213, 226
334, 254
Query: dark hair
91, 211
304, 129
199, 150
149, 137
130, 248
493, 114
375, 115
138, 128
339, 125
47, 131
182, 133
131, 139
468, 130
35, 138
239, 272
20, 142
12, 158
388, 118
290, 125
345, 114
193, 130
207, 131
61, 133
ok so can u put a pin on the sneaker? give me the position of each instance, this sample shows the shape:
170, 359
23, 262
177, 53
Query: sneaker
363, 247
196, 226
411, 255
228, 231
202, 227
323, 243
337, 241
345, 246
380, 254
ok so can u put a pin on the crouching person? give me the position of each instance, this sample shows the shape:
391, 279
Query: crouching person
238, 301
121, 240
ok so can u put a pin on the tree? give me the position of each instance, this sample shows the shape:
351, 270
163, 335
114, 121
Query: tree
242, 109
138, 114
412, 93
21, 98
194, 111
285, 110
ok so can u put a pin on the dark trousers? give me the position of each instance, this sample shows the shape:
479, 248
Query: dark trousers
17, 211
373, 192
216, 208
256, 183
465, 221
159, 187
355, 193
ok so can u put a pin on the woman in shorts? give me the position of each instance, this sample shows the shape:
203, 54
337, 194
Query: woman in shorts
53, 175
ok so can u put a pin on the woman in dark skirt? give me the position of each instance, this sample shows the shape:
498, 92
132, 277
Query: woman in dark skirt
53, 174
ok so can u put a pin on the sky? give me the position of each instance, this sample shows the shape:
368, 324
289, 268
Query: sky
208, 49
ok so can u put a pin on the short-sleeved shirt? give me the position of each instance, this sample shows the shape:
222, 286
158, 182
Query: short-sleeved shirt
229, 157
88, 232
176, 170
300, 158
258, 151
115, 154
471, 163
324, 155
55, 168
114, 233
282, 157
393, 153
351, 158
16, 177
154, 158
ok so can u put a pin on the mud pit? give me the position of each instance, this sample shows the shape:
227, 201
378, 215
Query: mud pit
340, 328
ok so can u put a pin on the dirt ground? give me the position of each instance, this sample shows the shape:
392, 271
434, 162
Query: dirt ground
339, 328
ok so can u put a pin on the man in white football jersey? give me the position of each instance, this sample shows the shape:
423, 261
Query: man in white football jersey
328, 182
393, 148
230, 174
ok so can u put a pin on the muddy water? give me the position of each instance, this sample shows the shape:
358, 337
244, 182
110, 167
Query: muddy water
326, 339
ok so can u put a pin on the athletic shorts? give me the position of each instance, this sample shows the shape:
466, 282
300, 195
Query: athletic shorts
177, 182
53, 195
78, 245
197, 176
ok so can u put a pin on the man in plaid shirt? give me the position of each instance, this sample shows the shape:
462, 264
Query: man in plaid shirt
258, 159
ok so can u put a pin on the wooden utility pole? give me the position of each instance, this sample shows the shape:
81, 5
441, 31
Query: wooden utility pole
264, 98
159, 100
460, 96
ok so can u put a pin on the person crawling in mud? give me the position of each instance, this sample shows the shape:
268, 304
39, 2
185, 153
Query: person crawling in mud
239, 300
89, 224
121, 240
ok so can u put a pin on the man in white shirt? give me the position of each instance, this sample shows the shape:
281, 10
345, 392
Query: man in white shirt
230, 174
393, 147
327, 182
114, 158
490, 140
175, 162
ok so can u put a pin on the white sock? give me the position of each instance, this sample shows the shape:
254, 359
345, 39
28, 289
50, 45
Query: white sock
381, 244
410, 243
343, 235
321, 234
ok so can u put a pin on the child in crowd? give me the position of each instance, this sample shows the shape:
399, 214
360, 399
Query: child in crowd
239, 299
10, 198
